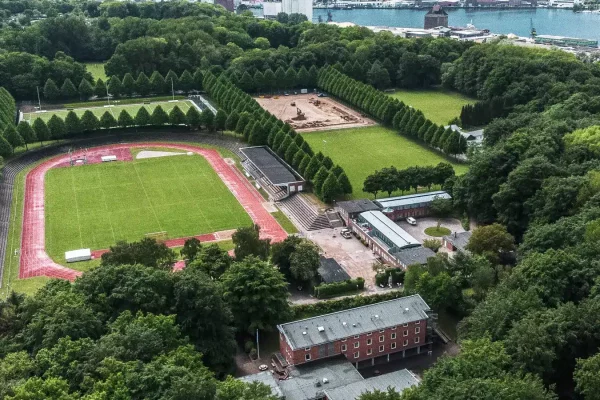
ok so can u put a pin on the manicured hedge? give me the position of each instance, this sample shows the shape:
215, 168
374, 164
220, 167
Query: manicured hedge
327, 290
8, 109
383, 277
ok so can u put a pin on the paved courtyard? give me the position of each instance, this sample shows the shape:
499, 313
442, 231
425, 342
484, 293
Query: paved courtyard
418, 231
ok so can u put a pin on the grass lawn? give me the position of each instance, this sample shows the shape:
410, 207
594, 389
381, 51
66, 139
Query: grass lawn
437, 232
361, 151
285, 222
132, 109
97, 71
94, 206
439, 106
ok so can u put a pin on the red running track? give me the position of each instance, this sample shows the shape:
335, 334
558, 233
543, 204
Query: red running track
36, 262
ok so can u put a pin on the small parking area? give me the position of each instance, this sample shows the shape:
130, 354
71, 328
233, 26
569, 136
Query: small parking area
418, 231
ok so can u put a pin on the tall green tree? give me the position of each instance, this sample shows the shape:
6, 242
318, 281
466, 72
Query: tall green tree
247, 242
125, 120
128, 84
176, 116
193, 118
41, 130
142, 117
68, 90
51, 91
57, 127
157, 83
100, 88
73, 123
115, 88
89, 121
86, 90
142, 84
107, 120
12, 136
159, 117
27, 132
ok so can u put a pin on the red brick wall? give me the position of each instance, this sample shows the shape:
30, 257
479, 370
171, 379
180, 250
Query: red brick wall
411, 212
298, 356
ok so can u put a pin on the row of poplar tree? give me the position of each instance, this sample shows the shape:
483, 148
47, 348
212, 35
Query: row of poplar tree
279, 79
73, 125
406, 120
259, 127
8, 109
128, 86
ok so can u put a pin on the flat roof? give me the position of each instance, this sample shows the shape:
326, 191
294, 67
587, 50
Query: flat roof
398, 236
398, 380
355, 321
357, 206
411, 199
269, 165
414, 255
266, 378
302, 382
331, 271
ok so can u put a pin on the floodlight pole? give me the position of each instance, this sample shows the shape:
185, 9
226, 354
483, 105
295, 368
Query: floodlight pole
172, 89
107, 96
39, 101
257, 345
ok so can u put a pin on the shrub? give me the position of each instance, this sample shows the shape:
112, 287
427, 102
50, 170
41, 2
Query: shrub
466, 224
432, 244
327, 290
397, 275
248, 346
253, 354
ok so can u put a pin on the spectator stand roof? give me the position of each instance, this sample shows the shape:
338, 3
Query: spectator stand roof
357, 206
398, 380
331, 271
355, 321
273, 168
412, 200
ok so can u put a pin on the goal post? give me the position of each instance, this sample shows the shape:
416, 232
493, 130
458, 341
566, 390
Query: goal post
160, 237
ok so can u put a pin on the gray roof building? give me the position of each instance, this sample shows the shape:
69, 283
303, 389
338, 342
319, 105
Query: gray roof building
271, 166
414, 255
387, 231
398, 380
342, 324
458, 240
412, 200
357, 206
331, 271
267, 378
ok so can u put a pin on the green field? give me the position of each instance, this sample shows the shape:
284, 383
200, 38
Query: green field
94, 206
361, 151
132, 109
438, 105
97, 71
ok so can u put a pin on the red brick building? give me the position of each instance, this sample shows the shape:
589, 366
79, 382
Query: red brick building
412, 205
363, 333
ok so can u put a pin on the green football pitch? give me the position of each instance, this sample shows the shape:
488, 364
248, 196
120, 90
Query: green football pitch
115, 109
93, 206
361, 151
438, 105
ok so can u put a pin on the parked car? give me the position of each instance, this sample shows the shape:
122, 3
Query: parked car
346, 235
411, 220
322, 95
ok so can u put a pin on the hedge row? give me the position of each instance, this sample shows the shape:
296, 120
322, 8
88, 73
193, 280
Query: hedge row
325, 307
8, 109
383, 278
394, 113
327, 290
259, 127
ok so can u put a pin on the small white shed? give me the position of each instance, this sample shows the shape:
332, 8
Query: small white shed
108, 158
78, 255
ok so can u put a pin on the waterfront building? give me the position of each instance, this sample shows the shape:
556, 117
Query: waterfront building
436, 17
565, 41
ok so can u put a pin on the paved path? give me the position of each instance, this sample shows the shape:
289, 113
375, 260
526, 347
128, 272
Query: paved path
35, 262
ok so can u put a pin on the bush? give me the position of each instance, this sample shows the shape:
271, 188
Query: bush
327, 290
432, 244
248, 346
397, 275
466, 224
253, 354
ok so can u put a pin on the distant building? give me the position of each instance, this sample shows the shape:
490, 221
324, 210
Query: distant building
375, 331
228, 4
457, 241
436, 17
350, 210
412, 205
298, 7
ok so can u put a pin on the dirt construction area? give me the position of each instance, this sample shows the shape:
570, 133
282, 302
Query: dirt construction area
307, 112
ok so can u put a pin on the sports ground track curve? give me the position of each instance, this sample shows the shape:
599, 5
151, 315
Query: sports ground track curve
34, 261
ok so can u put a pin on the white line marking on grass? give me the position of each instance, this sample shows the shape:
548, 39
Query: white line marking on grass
76, 208
106, 205
147, 198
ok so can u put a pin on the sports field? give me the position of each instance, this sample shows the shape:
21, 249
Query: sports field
438, 105
132, 109
97, 71
93, 206
361, 151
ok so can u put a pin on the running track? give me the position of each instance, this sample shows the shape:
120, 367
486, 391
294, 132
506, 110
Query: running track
35, 261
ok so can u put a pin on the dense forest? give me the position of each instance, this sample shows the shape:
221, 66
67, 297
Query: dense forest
528, 292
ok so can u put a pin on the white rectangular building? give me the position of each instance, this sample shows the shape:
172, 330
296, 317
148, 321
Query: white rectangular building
298, 7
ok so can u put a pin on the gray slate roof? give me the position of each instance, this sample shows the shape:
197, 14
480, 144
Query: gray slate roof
414, 255
411, 199
267, 378
331, 271
357, 206
302, 383
355, 321
399, 380
398, 236
269, 165
459, 240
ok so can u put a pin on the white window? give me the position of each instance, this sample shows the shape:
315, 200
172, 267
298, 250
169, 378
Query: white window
356, 354
417, 330
417, 323
381, 338
381, 331
369, 334
393, 345
357, 337
356, 345
405, 343
307, 349
307, 357
405, 325
381, 348
393, 336
394, 328
343, 340
417, 339
369, 352
344, 347
369, 342
405, 333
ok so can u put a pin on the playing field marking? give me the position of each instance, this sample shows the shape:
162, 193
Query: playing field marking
106, 206
160, 228
77, 210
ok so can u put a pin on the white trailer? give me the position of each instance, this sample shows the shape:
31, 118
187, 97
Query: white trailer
78, 255
108, 158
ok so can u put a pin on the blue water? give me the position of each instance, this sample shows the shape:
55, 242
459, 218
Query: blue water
517, 21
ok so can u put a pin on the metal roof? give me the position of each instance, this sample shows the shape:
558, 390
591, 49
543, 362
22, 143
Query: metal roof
398, 236
355, 321
269, 165
398, 380
357, 206
412, 199
302, 382
414, 255
331, 271
459, 240
266, 378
